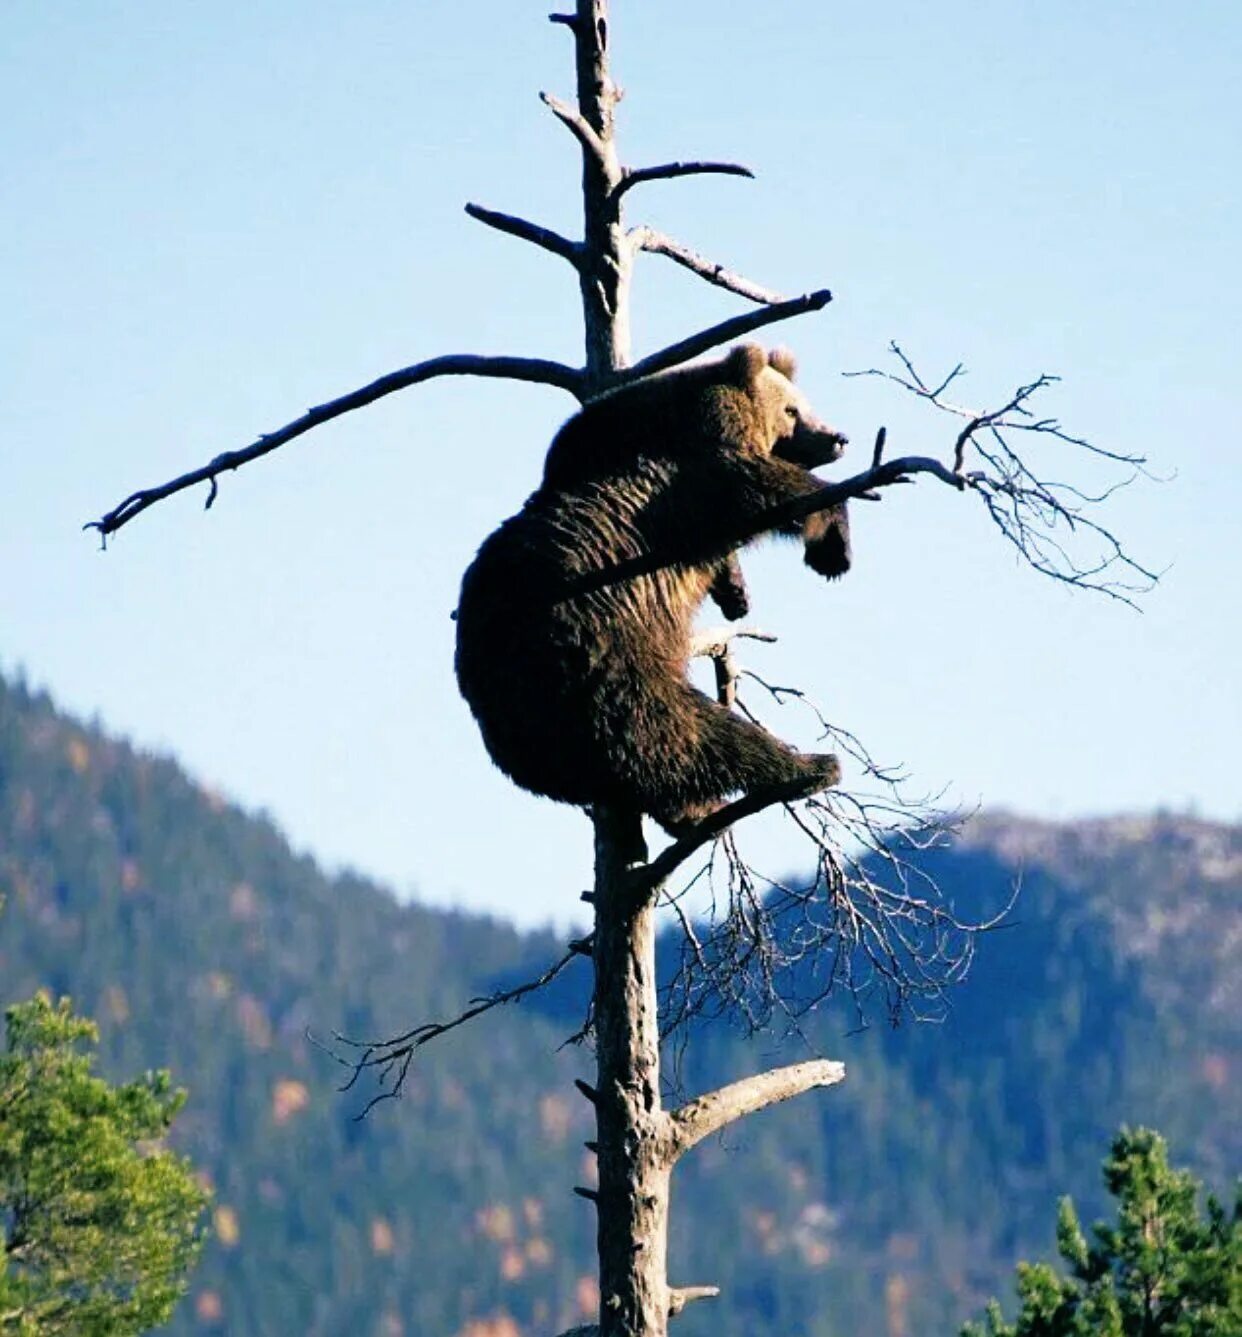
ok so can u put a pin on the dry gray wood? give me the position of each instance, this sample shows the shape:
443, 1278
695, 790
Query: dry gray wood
637, 1141
538, 370
665, 171
648, 239
522, 228
710, 1113
631, 1125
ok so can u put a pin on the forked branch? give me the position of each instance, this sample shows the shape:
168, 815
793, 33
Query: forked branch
648, 878
1048, 521
717, 645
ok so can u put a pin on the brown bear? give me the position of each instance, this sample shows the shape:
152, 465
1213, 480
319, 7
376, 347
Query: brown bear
573, 627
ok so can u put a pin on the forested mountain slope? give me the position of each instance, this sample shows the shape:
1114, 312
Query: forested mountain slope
889, 1205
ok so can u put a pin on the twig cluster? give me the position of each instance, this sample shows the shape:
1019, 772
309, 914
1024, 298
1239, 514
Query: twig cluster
1045, 520
868, 921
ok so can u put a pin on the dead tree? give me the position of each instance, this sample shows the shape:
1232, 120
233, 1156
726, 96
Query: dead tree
864, 915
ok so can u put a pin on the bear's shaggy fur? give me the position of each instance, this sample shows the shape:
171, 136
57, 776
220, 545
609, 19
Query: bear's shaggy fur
575, 666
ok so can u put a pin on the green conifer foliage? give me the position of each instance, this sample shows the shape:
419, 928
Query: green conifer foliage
98, 1223
1164, 1270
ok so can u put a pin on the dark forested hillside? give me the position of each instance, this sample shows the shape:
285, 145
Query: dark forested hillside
891, 1205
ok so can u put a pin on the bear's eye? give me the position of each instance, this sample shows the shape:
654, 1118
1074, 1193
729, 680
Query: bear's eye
791, 412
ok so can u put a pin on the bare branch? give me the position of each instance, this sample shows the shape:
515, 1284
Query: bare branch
727, 330
915, 384
527, 231
711, 642
536, 370
648, 239
717, 645
392, 1057
680, 1296
578, 124
666, 171
724, 667
1045, 520
708, 1114
887, 474
649, 876
877, 453
870, 921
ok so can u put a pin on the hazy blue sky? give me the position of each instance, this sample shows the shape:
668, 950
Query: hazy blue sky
218, 214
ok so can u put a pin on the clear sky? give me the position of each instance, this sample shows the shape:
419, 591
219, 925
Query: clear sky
216, 215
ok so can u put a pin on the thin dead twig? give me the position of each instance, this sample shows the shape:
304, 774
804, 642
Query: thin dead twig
391, 1058
714, 640
647, 878
1046, 520
869, 921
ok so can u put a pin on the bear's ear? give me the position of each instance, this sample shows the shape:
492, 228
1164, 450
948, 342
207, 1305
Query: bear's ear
744, 364
783, 360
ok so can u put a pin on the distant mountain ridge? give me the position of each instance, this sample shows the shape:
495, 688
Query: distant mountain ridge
1197, 930
202, 943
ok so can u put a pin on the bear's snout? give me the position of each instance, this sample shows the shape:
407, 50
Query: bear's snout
812, 445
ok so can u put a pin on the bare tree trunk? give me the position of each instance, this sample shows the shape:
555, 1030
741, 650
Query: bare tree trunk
637, 1142
632, 1202
634, 1168
607, 256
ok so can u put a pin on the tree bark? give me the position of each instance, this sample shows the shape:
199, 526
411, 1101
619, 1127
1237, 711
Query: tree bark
604, 275
637, 1142
632, 1128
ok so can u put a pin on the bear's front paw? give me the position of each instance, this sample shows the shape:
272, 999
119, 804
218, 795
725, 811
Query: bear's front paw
826, 767
829, 555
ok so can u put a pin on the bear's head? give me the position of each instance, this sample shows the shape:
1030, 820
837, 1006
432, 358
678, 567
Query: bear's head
787, 426
744, 401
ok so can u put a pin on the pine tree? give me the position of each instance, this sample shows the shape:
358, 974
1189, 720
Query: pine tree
1163, 1270
98, 1224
